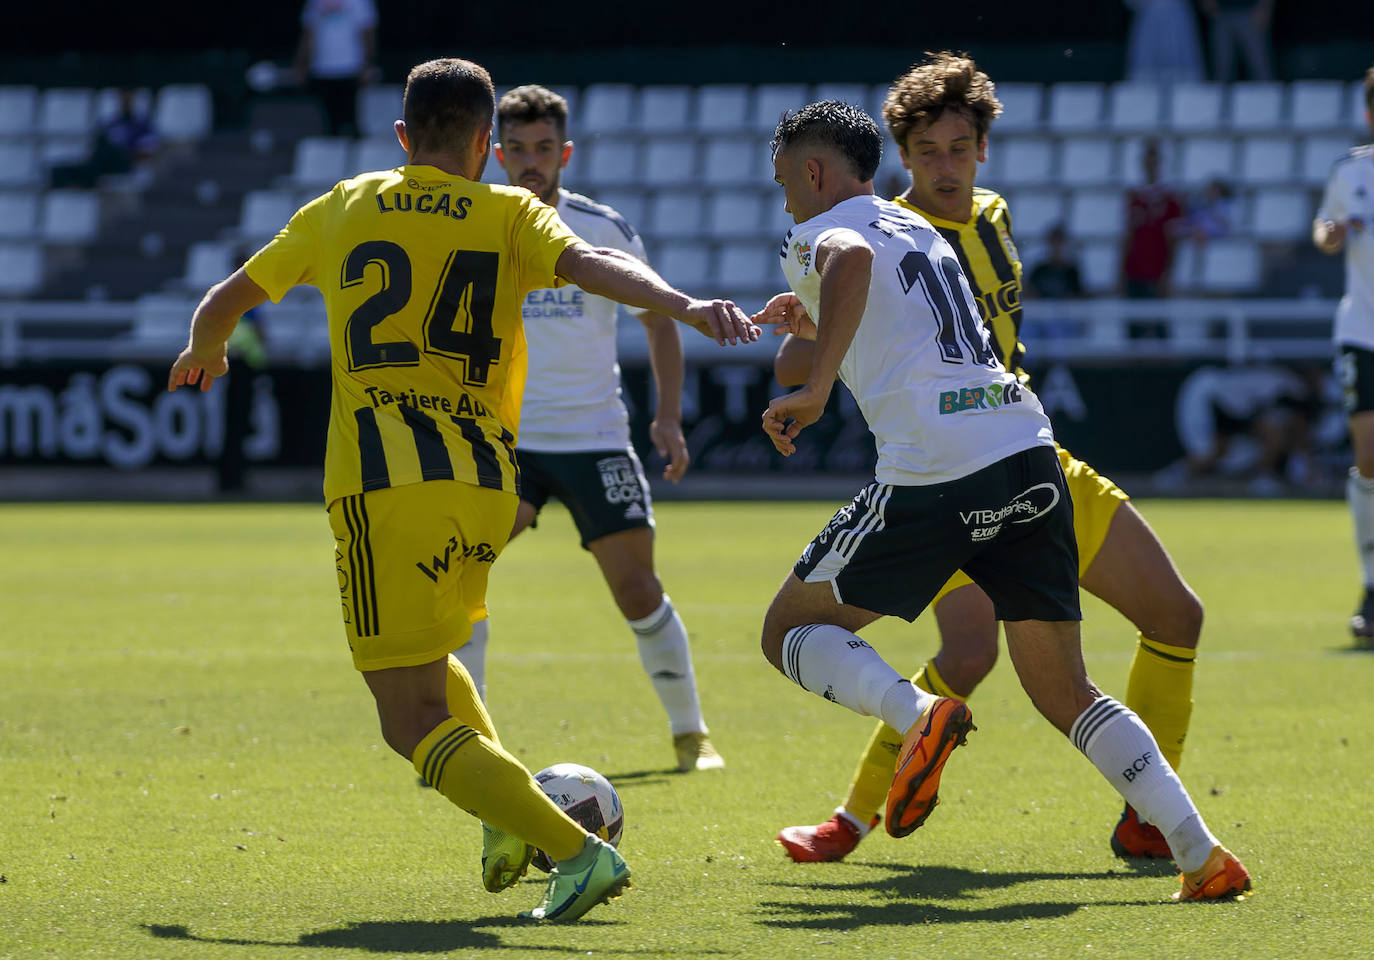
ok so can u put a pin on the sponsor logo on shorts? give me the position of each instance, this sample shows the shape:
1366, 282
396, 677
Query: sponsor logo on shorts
1030, 504
635, 512
476, 552
620, 481
994, 396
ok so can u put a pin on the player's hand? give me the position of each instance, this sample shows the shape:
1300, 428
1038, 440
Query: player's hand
671, 446
789, 415
785, 313
721, 320
200, 369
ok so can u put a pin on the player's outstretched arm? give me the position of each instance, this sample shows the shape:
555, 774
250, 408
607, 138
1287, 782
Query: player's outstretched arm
621, 277
204, 358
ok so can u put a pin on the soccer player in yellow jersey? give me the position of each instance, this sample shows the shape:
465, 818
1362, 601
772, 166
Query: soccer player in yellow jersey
423, 269
939, 113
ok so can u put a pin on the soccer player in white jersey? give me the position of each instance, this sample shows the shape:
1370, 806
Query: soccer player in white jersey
1344, 222
967, 478
574, 438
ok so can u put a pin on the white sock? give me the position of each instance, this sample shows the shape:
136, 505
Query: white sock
667, 659
1359, 493
1124, 751
833, 663
853, 821
473, 656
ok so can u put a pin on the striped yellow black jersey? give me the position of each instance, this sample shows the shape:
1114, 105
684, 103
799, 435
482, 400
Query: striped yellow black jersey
993, 267
423, 274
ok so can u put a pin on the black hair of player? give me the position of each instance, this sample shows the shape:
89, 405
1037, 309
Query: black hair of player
530, 104
831, 123
447, 103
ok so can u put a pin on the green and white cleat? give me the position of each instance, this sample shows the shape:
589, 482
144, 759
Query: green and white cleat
570, 895
504, 859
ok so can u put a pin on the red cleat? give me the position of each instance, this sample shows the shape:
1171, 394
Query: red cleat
824, 843
1134, 838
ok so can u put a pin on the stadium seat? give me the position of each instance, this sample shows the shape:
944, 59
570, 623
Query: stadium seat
1099, 267
1033, 212
1185, 270
664, 109
722, 108
669, 161
1266, 160
383, 154
1205, 158
607, 108
877, 96
54, 151
1194, 107
745, 266
1095, 214
1282, 214
1357, 107
19, 163
1075, 107
609, 160
66, 111
775, 212
379, 107
264, 213
628, 203
18, 215
69, 216
18, 106
1022, 107
771, 99
1256, 106
183, 111
674, 213
685, 264
21, 269
1026, 160
736, 213
107, 106
1230, 265
1319, 154
1088, 161
736, 161
1134, 106
207, 263
855, 94
1317, 105
321, 162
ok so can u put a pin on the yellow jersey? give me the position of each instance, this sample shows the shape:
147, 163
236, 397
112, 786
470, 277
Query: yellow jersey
423, 273
993, 267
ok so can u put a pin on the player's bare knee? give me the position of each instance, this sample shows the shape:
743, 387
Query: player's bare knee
637, 594
1177, 622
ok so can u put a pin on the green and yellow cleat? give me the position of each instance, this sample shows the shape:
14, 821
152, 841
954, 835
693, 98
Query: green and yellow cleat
504, 859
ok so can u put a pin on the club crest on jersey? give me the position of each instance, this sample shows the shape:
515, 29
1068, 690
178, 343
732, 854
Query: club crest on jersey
802, 248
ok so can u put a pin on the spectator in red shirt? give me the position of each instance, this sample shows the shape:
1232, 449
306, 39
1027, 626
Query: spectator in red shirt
1154, 214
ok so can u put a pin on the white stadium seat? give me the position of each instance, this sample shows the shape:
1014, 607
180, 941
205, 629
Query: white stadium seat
1026, 160
747, 266
1096, 214
1075, 106
18, 106
609, 160
772, 99
1087, 161
664, 109
1099, 268
21, 269
264, 213
1194, 106
1319, 154
607, 108
69, 216
19, 163
1205, 158
628, 203
1282, 214
380, 153
669, 161
379, 107
1357, 108
1230, 265
1022, 107
1186, 269
722, 107
1134, 106
736, 213
674, 213
183, 111
1256, 106
207, 263
684, 264
55, 151
18, 215
321, 162
66, 111
1266, 160
1317, 105
736, 160
1033, 212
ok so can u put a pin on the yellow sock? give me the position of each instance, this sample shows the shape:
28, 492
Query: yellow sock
464, 703
473, 772
1160, 691
868, 791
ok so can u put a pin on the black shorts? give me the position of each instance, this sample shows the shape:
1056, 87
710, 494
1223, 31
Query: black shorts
1355, 366
1008, 526
604, 490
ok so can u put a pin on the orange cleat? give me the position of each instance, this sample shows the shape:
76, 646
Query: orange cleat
944, 725
1221, 877
1134, 838
824, 843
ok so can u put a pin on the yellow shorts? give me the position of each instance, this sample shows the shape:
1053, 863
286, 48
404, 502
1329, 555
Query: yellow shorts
412, 561
1095, 499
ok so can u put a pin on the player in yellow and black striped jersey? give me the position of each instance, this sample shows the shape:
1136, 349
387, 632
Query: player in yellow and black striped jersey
939, 113
423, 270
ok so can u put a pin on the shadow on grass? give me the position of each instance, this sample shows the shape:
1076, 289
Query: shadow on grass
640, 778
930, 894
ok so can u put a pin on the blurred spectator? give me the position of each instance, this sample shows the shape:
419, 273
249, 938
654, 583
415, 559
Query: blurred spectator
1163, 43
1211, 215
1056, 277
123, 142
1240, 24
1154, 214
338, 41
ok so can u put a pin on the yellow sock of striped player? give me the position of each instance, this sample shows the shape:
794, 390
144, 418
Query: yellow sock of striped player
464, 702
474, 773
868, 791
1160, 692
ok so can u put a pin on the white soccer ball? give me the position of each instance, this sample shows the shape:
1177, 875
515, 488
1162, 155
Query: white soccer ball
587, 797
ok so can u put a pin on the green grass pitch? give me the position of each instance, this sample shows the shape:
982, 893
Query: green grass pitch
189, 766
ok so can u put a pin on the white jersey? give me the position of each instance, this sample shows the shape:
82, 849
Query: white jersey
1350, 196
572, 394
921, 366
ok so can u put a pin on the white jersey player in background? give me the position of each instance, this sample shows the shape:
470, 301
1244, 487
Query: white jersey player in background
967, 478
1345, 221
574, 436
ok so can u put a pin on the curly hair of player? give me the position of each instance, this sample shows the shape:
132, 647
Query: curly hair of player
943, 81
